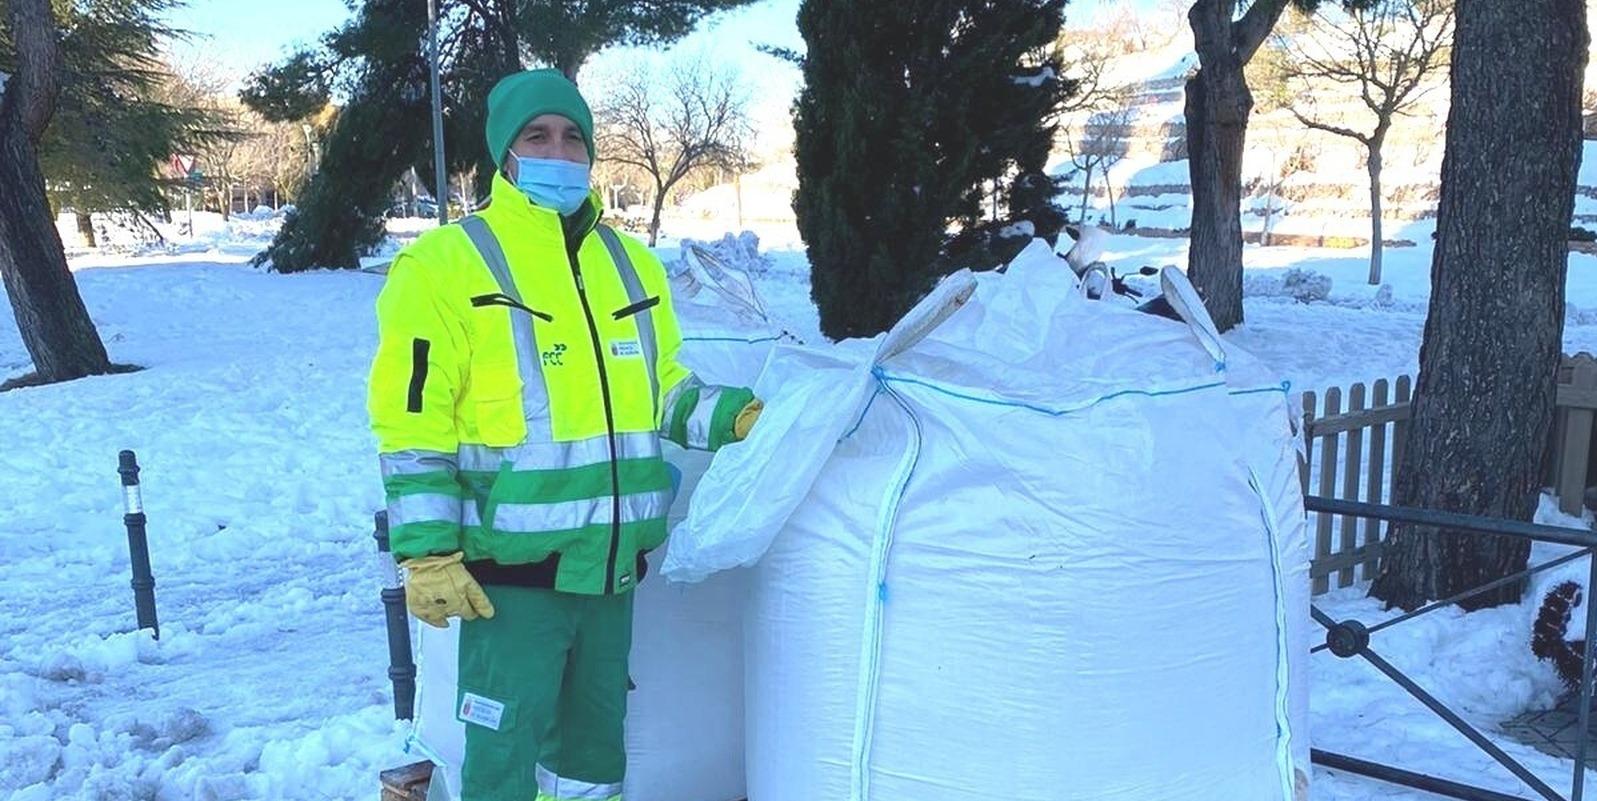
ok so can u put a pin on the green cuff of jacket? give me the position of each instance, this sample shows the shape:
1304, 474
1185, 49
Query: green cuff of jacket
425, 538
724, 418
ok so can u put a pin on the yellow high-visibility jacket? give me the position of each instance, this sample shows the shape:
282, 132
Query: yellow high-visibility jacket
526, 370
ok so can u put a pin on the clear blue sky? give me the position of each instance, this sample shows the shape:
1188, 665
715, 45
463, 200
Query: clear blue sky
237, 37
242, 35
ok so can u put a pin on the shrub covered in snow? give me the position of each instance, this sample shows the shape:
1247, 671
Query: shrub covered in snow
1303, 286
739, 251
1384, 297
1306, 286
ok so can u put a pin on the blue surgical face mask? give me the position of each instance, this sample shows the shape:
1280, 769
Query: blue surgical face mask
552, 183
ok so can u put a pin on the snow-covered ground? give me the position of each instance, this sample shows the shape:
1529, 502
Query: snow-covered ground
259, 479
1360, 332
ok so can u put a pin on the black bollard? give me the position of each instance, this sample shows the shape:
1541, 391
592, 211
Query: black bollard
401, 667
138, 543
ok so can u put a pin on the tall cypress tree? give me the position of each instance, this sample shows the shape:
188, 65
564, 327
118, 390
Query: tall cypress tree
908, 117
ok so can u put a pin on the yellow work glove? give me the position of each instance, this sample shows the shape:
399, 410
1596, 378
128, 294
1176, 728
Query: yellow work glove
746, 419
439, 587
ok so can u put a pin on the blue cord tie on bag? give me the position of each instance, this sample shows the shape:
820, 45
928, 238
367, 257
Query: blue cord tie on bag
883, 378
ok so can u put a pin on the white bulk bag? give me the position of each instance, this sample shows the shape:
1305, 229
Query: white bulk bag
1048, 550
684, 727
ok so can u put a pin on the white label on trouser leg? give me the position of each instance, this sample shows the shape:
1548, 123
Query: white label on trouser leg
484, 712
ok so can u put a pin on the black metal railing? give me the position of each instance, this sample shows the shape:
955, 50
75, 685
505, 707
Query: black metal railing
1350, 638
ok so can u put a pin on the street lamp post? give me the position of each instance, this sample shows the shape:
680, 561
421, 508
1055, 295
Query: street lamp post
440, 184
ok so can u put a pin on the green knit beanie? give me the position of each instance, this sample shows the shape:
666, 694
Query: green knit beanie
520, 97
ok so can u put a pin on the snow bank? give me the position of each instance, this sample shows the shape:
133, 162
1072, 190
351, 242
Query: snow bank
737, 251
260, 481
269, 680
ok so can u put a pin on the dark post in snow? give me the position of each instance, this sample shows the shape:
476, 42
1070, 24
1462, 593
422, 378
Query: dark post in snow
138, 544
401, 668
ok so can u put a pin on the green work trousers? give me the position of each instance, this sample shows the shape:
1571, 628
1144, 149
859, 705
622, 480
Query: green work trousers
543, 694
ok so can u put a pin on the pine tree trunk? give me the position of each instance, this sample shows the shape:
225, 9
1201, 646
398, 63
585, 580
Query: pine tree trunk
1483, 406
55, 325
1376, 242
86, 229
1217, 107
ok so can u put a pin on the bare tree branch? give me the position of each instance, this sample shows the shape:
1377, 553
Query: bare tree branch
1249, 33
1331, 129
1104, 139
1388, 51
693, 118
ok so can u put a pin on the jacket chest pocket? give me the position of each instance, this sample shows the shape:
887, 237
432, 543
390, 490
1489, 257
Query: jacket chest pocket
496, 403
495, 399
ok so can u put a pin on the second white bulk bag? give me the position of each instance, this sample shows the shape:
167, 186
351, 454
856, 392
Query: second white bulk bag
1025, 546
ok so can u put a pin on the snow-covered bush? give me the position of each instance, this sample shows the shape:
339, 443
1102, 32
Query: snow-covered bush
738, 251
1303, 286
1306, 286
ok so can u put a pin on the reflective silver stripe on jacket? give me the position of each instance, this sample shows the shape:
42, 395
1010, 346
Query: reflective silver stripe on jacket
415, 462
636, 294
673, 398
701, 422
534, 393
423, 507
559, 455
537, 518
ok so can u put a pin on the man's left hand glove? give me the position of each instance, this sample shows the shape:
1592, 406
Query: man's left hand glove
746, 419
440, 587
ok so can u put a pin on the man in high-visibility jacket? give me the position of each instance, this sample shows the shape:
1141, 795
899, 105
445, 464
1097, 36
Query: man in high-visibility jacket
526, 371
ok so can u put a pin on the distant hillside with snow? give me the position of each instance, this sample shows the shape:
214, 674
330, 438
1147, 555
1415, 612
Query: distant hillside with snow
1300, 186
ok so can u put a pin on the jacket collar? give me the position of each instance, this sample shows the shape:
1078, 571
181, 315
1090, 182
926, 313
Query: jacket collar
508, 201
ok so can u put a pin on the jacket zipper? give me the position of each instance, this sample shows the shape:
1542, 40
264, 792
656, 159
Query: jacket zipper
609, 422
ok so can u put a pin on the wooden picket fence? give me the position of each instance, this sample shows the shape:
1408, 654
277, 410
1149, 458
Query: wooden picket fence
1354, 446
1336, 438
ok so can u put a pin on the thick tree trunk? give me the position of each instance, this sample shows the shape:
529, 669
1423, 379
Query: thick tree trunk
86, 229
1376, 242
654, 221
1483, 405
55, 326
1217, 106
